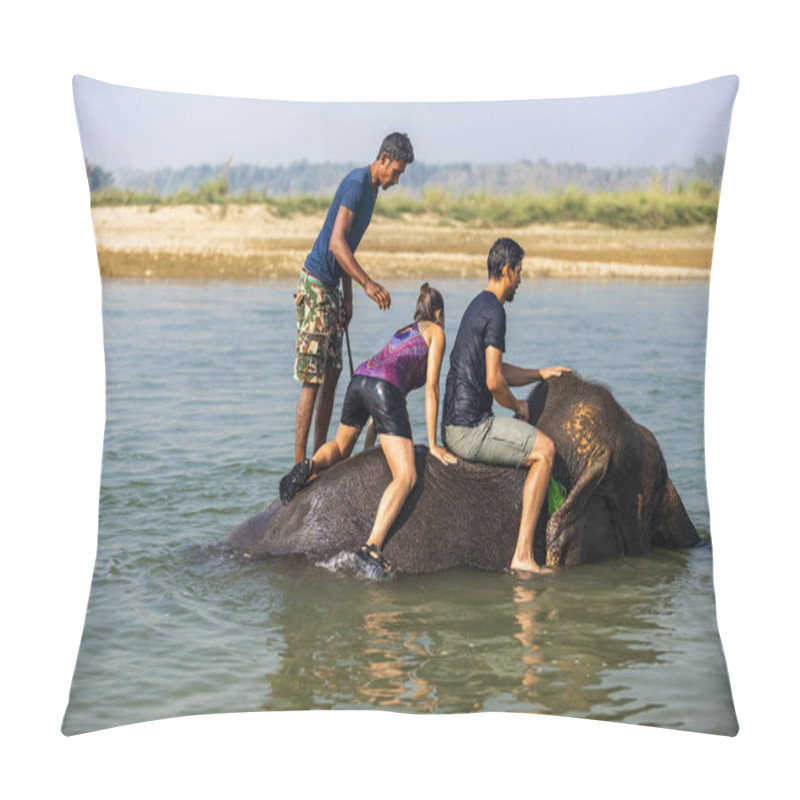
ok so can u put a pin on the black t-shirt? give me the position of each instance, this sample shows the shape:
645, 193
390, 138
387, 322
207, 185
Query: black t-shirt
467, 399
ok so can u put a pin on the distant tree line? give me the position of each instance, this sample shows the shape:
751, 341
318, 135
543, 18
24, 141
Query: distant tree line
505, 195
503, 180
98, 178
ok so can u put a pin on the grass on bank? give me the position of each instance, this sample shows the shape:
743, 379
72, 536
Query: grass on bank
653, 208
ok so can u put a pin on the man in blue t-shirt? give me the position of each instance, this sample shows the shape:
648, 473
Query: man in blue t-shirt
477, 377
323, 312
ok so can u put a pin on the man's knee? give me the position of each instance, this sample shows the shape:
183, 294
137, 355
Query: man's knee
331, 379
308, 396
544, 451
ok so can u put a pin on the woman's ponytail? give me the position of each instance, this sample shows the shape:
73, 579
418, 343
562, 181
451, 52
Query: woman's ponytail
428, 303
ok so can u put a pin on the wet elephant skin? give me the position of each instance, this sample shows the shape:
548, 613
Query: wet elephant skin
620, 500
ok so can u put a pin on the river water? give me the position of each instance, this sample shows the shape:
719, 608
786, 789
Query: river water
199, 430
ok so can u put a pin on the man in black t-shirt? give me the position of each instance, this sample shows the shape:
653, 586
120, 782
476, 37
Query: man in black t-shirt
478, 376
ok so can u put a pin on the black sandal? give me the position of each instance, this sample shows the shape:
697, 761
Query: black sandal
374, 558
295, 479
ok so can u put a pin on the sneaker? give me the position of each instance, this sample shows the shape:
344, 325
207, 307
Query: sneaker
294, 480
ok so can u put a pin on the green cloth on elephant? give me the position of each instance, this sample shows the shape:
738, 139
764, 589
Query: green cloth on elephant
556, 495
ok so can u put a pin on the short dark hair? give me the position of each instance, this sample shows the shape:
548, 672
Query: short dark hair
504, 251
398, 147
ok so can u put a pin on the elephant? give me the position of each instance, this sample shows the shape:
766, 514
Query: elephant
620, 500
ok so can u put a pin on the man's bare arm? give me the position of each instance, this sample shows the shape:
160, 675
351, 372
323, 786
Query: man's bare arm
498, 385
347, 261
520, 376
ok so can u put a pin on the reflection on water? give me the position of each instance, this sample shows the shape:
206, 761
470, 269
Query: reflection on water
593, 643
199, 393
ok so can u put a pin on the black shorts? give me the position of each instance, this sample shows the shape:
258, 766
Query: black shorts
384, 402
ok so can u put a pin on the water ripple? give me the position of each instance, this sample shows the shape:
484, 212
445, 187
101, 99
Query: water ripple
199, 429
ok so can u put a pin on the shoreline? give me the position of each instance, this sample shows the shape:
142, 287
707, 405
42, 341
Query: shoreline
247, 242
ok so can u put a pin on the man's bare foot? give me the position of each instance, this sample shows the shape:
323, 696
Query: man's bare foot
527, 565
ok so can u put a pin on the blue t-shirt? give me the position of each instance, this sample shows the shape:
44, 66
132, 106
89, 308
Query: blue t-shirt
467, 399
354, 193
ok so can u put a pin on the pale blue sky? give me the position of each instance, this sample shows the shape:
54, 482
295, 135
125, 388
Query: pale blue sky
139, 129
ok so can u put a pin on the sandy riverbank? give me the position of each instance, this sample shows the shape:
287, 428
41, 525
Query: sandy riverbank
248, 242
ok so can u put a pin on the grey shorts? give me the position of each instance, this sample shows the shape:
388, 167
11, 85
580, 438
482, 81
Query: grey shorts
505, 441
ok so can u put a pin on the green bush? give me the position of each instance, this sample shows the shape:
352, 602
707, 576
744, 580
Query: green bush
654, 208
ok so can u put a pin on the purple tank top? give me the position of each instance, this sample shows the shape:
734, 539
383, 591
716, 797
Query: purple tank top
403, 362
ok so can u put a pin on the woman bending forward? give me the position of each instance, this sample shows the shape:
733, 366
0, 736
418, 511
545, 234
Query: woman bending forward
378, 389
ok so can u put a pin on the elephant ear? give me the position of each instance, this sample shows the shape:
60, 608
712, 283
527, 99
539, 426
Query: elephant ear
671, 524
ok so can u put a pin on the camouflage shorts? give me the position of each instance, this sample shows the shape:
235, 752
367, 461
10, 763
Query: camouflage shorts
319, 330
